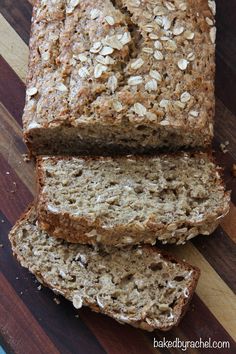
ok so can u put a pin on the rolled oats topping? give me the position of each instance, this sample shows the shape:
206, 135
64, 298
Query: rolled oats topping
99, 70
77, 301
126, 38
189, 35
113, 42
185, 97
117, 106
191, 56
45, 56
107, 60
147, 50
61, 87
82, 57
213, 34
155, 75
83, 72
110, 20
135, 3
182, 64
177, 30
151, 85
71, 6
194, 113
164, 103
96, 47
159, 10
34, 125
169, 5
182, 6
135, 80
112, 83
212, 6
165, 122
141, 61
171, 45
153, 36
139, 109
148, 28
209, 21
137, 64
180, 104
31, 91
158, 45
95, 13
164, 38
106, 50
158, 55
166, 23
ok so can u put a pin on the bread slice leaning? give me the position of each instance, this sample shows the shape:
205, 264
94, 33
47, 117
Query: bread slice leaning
140, 286
130, 200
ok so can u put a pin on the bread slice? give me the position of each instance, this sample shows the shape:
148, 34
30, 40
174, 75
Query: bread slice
139, 286
128, 200
124, 75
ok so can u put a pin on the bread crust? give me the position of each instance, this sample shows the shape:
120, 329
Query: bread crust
77, 229
181, 307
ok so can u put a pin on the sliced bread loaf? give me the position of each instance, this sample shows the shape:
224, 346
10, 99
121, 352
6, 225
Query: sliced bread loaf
128, 200
120, 74
139, 286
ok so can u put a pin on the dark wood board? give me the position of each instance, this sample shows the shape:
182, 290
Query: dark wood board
30, 320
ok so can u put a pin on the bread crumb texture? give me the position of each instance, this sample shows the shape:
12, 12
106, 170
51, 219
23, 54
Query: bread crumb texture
131, 199
124, 73
139, 286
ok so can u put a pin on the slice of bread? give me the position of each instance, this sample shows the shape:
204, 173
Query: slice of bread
128, 200
137, 285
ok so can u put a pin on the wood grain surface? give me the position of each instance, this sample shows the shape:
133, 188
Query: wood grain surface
30, 319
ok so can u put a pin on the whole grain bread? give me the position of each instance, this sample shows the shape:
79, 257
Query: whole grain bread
124, 75
130, 199
140, 286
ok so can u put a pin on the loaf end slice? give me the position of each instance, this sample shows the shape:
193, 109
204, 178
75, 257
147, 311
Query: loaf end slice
140, 286
130, 200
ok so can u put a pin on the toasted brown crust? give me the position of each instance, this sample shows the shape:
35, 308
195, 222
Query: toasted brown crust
75, 229
182, 306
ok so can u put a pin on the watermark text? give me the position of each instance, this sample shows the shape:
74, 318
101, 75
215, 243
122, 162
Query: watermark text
196, 344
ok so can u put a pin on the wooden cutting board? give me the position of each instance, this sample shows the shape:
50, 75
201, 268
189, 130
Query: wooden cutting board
30, 319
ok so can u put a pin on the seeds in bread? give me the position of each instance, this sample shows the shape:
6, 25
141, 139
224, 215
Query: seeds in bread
128, 200
113, 75
140, 286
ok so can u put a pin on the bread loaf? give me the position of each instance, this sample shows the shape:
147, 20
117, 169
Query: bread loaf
122, 75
